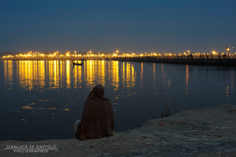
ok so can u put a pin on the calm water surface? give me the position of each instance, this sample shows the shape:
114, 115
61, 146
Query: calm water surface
42, 99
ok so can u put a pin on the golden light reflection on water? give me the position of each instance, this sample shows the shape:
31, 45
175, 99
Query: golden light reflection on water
50, 72
75, 72
186, 79
127, 74
56, 73
8, 74
123, 73
59, 74
27, 78
133, 76
5, 70
41, 76
101, 71
68, 82
10, 79
115, 74
141, 75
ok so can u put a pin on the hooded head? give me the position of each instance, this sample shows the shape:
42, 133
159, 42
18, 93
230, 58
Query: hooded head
97, 92
99, 89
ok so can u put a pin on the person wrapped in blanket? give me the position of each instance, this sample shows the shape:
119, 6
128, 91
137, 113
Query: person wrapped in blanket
98, 116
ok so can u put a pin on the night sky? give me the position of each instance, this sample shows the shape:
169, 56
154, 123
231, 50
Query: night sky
127, 25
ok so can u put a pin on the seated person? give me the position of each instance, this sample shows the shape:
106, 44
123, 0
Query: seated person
98, 116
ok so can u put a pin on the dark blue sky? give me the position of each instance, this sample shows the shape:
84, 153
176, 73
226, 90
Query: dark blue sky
127, 25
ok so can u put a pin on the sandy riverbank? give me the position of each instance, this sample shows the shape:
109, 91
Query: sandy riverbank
209, 132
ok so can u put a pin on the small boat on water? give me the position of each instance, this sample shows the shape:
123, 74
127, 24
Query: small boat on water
77, 63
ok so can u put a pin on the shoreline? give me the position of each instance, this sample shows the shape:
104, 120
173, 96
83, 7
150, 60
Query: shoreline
205, 132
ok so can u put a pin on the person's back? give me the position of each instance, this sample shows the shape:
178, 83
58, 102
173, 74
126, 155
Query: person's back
98, 116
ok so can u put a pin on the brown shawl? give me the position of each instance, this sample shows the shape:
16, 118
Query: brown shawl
98, 116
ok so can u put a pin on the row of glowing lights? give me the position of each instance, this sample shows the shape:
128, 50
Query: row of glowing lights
115, 54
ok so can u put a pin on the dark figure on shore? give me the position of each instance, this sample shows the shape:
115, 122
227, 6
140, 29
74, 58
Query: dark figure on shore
167, 112
98, 116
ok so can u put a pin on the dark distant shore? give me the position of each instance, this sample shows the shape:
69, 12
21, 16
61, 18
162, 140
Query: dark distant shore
216, 62
208, 132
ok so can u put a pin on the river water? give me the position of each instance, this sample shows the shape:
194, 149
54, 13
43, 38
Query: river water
42, 99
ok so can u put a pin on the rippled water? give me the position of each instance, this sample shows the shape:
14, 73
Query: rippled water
42, 99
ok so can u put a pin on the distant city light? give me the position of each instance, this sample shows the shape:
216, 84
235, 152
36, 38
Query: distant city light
56, 55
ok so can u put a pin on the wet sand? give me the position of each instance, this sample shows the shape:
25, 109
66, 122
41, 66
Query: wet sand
208, 132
